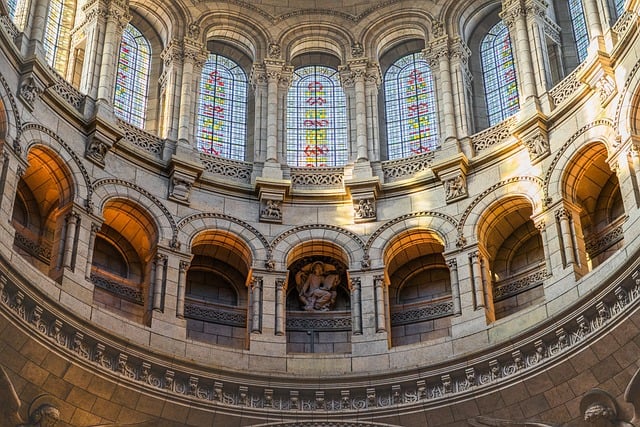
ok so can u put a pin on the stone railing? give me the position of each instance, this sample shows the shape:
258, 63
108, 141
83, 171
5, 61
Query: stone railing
396, 170
141, 139
9, 27
492, 136
215, 313
323, 321
226, 168
567, 87
69, 93
627, 22
32, 247
314, 178
600, 242
119, 288
520, 283
419, 312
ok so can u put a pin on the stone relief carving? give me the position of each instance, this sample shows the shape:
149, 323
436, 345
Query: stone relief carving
272, 210
97, 150
180, 188
29, 91
357, 51
538, 147
274, 51
455, 188
316, 283
364, 209
606, 87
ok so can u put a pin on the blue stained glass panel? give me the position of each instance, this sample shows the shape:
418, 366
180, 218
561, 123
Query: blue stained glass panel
579, 26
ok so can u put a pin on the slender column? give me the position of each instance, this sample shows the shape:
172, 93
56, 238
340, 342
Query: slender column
94, 28
381, 324
38, 23
361, 117
536, 14
281, 287
161, 261
563, 215
182, 288
373, 127
259, 83
92, 244
478, 287
171, 78
515, 19
438, 52
592, 16
459, 61
542, 228
356, 306
72, 219
273, 72
117, 20
455, 285
194, 59
256, 305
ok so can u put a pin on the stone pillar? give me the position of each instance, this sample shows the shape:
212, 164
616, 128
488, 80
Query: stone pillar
182, 288
256, 305
380, 304
274, 72
478, 280
356, 306
95, 228
563, 216
462, 91
542, 228
117, 19
592, 18
158, 283
94, 28
438, 56
39, 12
633, 188
373, 80
536, 16
514, 16
281, 295
452, 263
194, 56
71, 220
259, 84
171, 84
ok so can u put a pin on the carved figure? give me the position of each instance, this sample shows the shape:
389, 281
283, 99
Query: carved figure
456, 187
271, 210
364, 209
44, 414
316, 287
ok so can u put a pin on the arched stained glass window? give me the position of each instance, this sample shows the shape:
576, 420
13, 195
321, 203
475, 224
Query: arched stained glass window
410, 107
222, 109
18, 12
53, 33
579, 26
499, 74
132, 77
316, 119
619, 4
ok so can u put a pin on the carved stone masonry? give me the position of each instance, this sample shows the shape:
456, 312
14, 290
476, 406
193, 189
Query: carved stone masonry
538, 146
364, 210
30, 89
455, 188
271, 211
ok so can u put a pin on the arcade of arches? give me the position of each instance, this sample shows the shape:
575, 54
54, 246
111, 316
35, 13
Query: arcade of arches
336, 213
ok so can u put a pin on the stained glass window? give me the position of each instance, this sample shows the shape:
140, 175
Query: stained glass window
18, 12
410, 107
222, 109
316, 119
499, 74
579, 28
53, 31
132, 77
619, 7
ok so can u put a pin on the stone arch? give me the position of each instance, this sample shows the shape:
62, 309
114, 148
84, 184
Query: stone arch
10, 125
441, 224
627, 116
113, 188
524, 186
170, 19
242, 32
192, 225
348, 241
322, 37
35, 134
599, 130
466, 15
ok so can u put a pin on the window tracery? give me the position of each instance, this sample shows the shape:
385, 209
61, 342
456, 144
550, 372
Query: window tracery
316, 119
411, 114
222, 109
579, 27
132, 77
499, 74
60, 17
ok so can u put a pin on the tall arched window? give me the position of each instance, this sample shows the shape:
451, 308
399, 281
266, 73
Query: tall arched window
499, 74
316, 119
411, 114
132, 77
222, 108
579, 26
18, 10
60, 17
619, 5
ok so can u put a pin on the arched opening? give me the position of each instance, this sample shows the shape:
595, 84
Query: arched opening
121, 262
216, 289
318, 300
591, 185
515, 253
420, 302
43, 198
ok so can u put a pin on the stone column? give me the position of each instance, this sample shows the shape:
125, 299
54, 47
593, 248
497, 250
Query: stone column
542, 228
182, 288
171, 81
95, 228
592, 18
256, 305
39, 12
355, 77
459, 62
259, 84
563, 216
514, 16
274, 72
117, 19
478, 282
438, 55
452, 263
356, 307
194, 56
158, 283
380, 304
372, 84
94, 27
536, 16
281, 295
71, 220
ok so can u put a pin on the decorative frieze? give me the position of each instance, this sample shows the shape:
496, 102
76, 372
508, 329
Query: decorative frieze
493, 136
124, 291
226, 168
216, 314
423, 312
326, 178
517, 285
395, 170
